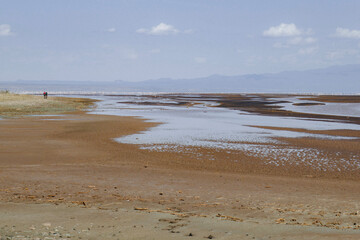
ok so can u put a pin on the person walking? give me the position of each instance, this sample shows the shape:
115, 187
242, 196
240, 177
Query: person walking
45, 95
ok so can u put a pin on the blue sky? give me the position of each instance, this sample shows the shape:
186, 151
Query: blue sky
98, 40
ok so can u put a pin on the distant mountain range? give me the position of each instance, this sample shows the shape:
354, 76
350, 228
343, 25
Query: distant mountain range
344, 79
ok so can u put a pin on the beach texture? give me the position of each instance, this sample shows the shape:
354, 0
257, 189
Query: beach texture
65, 177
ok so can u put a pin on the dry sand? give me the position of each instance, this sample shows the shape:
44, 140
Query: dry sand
67, 178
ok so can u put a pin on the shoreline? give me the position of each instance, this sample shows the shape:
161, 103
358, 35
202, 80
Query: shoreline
73, 164
301, 149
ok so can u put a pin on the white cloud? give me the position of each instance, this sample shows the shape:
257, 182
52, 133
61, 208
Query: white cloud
160, 29
200, 60
295, 41
307, 51
283, 30
281, 45
111, 30
5, 30
347, 33
301, 40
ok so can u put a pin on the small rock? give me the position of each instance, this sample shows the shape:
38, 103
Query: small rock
210, 236
280, 220
47, 224
190, 235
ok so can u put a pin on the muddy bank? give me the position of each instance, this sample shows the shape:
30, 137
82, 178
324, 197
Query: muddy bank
70, 167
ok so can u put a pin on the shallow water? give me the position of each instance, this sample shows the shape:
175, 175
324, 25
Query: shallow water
340, 109
205, 126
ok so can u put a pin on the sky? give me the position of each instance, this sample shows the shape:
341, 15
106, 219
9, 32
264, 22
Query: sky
134, 40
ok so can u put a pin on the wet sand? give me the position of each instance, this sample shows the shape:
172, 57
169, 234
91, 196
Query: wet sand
66, 177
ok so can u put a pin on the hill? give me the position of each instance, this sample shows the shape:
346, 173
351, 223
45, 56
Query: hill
332, 80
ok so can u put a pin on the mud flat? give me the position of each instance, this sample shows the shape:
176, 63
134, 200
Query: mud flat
252, 133
65, 177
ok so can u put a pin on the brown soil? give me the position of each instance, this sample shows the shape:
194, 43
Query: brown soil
307, 104
334, 98
79, 178
261, 104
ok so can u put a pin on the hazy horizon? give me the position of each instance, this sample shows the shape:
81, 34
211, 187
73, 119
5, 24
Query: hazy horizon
189, 78
338, 79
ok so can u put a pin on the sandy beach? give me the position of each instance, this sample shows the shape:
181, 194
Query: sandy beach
64, 176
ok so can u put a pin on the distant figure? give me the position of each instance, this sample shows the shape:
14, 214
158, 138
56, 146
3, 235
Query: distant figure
45, 95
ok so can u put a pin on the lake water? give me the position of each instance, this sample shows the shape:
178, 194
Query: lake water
203, 125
